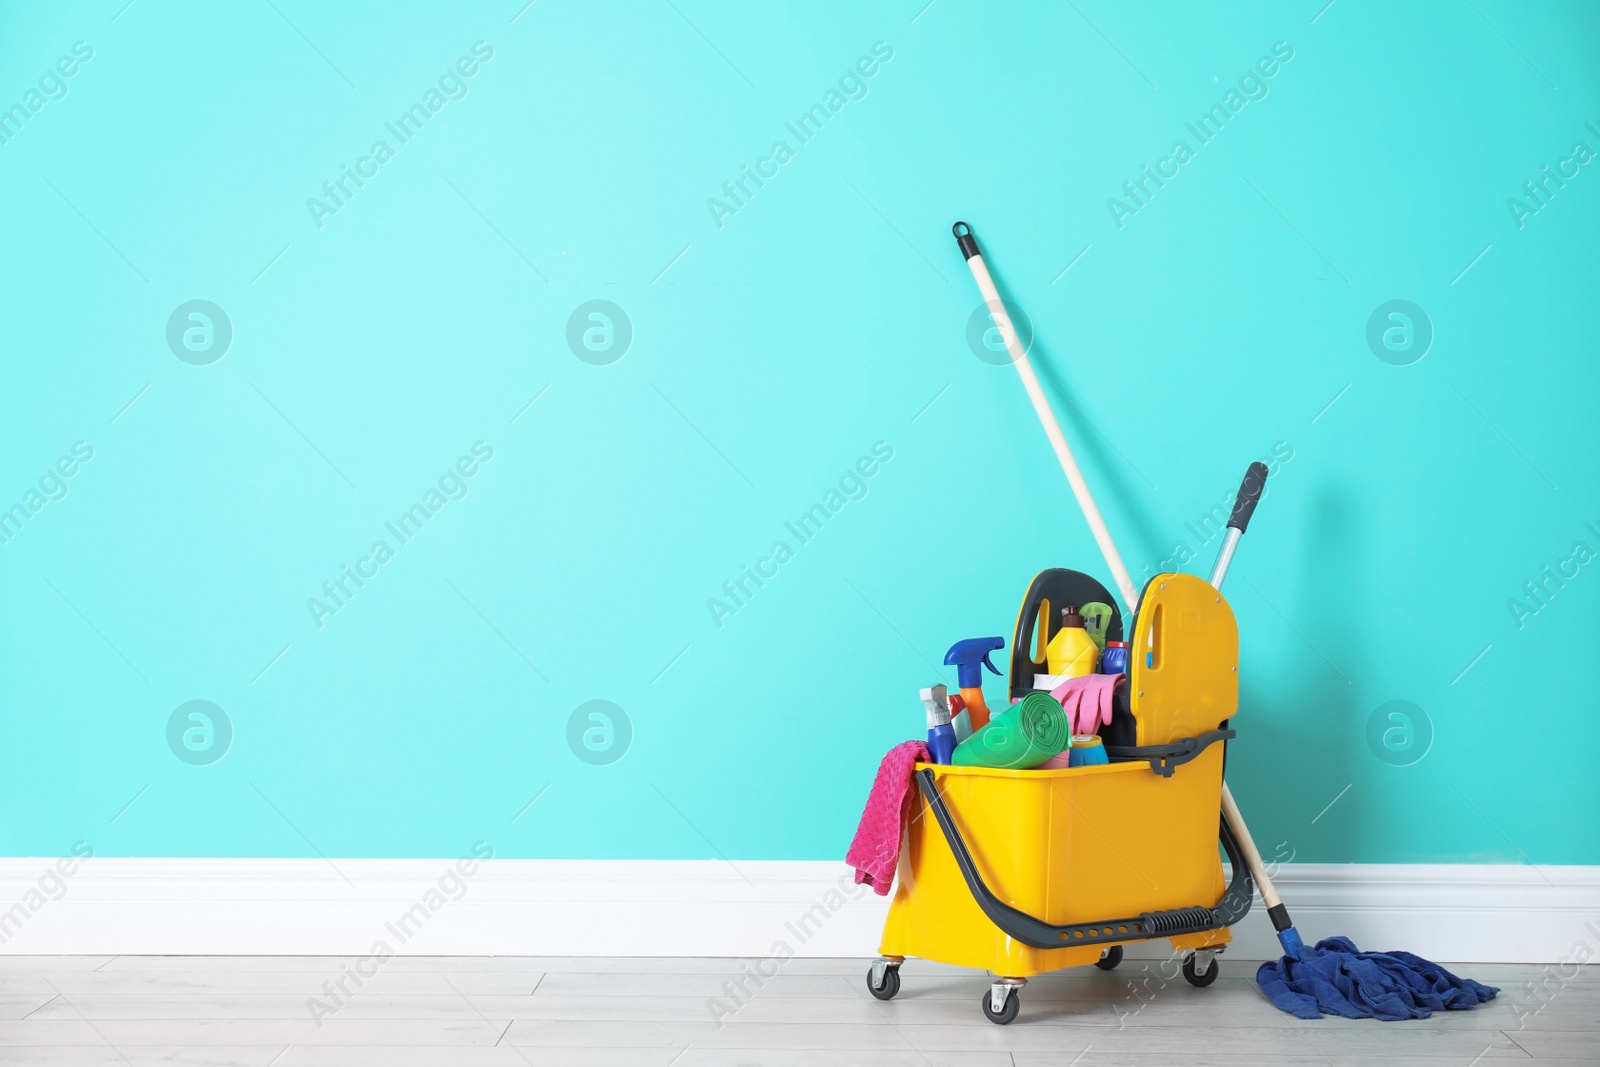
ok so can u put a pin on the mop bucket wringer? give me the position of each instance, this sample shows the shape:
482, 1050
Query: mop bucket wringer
1020, 872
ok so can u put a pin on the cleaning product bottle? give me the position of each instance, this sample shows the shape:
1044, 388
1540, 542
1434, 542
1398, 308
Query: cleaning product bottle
941, 735
1114, 660
960, 720
1096, 617
969, 657
1072, 653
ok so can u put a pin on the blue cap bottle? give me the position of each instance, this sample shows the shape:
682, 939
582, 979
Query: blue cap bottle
941, 735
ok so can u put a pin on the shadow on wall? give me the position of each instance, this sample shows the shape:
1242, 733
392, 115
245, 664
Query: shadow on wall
1329, 575
1304, 719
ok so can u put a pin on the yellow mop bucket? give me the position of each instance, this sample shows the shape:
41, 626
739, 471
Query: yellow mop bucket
1022, 872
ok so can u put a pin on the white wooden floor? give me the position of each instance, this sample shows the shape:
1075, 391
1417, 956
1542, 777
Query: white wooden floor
504, 1012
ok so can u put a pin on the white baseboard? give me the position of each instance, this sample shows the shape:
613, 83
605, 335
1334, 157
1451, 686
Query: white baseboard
1448, 912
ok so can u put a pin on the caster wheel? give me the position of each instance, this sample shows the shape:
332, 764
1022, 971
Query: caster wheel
1109, 961
891, 983
1006, 1014
1195, 978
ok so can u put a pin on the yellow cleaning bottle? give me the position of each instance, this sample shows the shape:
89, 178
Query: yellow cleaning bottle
1072, 653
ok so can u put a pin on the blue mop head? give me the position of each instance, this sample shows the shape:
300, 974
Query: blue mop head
1338, 979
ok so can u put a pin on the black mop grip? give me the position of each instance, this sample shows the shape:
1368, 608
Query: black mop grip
964, 238
1244, 505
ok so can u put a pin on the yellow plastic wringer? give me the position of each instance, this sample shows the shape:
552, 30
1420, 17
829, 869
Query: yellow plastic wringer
1023, 872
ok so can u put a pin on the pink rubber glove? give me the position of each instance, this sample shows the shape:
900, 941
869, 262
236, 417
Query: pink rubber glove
1087, 700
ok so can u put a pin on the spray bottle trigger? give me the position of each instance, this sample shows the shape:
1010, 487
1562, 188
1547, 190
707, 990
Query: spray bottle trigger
971, 656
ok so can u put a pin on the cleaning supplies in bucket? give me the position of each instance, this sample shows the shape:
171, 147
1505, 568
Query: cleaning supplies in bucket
1087, 751
1086, 701
1022, 736
1096, 618
969, 657
960, 718
1072, 653
941, 735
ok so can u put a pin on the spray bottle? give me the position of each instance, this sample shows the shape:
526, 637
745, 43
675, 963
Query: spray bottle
969, 657
941, 735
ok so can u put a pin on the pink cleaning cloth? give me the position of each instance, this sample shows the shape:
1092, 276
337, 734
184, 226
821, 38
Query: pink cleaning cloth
875, 852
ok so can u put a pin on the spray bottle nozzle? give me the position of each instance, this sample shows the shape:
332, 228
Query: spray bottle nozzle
969, 657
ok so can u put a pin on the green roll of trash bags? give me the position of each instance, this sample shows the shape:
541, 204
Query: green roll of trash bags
1024, 735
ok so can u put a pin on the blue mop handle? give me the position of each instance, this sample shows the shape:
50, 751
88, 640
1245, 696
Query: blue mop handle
1288, 936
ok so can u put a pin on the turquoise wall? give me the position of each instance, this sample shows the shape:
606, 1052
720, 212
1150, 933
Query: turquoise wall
380, 346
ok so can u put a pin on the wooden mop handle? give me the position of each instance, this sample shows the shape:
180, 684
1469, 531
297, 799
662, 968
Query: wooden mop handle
1041, 406
1247, 845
